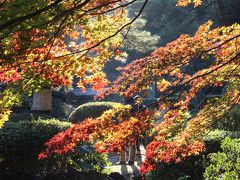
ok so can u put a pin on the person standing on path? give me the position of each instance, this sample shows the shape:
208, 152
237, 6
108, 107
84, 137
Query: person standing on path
136, 103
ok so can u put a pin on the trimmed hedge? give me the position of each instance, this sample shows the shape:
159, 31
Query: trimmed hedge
20, 144
15, 117
92, 109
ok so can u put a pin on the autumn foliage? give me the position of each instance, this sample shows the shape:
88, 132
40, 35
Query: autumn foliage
51, 53
46, 43
110, 132
180, 132
40, 56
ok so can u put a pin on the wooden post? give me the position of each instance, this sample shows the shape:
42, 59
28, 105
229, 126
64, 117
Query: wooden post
42, 100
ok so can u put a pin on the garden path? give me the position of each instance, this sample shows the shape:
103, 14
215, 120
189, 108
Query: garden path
129, 172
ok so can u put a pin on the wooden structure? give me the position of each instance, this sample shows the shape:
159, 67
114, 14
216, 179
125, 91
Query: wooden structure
42, 100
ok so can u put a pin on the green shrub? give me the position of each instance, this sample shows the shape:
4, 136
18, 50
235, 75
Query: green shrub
231, 122
92, 109
213, 139
21, 142
225, 165
15, 117
219, 135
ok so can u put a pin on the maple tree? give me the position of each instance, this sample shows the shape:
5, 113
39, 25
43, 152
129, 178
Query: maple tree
44, 43
180, 133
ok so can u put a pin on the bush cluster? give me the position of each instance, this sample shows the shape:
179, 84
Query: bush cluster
92, 109
231, 121
23, 138
226, 164
15, 117
20, 144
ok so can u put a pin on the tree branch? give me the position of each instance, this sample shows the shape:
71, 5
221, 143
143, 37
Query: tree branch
196, 77
109, 37
29, 16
